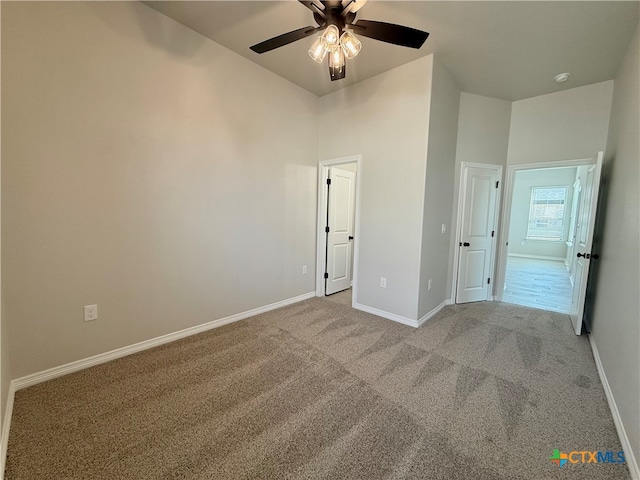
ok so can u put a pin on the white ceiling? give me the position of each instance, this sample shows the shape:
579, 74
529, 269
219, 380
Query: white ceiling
503, 49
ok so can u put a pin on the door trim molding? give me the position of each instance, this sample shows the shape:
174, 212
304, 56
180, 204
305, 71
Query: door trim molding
456, 238
321, 239
503, 234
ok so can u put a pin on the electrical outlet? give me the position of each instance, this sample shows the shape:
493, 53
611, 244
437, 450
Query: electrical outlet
444, 228
304, 269
90, 313
383, 282
429, 284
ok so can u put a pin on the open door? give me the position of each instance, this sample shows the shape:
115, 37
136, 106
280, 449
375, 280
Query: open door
340, 216
584, 241
479, 189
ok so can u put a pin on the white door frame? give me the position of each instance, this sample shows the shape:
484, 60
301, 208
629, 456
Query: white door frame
321, 243
506, 210
456, 238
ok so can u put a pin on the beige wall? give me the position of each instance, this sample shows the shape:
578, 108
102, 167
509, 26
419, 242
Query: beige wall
614, 321
438, 196
567, 125
483, 137
5, 367
387, 119
148, 170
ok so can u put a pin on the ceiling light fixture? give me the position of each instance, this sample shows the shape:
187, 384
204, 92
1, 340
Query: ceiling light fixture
562, 77
336, 19
338, 47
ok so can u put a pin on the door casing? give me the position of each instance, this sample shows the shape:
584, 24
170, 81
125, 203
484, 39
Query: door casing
321, 242
461, 192
503, 235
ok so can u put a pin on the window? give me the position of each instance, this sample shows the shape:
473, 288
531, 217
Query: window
546, 213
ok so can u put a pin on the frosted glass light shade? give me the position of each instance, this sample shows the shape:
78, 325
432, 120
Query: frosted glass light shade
350, 44
331, 35
319, 49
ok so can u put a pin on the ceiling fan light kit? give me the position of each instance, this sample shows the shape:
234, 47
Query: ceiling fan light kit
347, 47
319, 50
331, 35
337, 18
350, 44
337, 65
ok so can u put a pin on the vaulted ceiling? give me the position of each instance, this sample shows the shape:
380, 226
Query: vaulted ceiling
504, 49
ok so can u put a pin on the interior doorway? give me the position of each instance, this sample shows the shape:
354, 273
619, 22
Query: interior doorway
547, 236
540, 238
338, 228
474, 257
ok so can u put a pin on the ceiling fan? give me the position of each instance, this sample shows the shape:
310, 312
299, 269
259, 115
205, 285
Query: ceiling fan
338, 20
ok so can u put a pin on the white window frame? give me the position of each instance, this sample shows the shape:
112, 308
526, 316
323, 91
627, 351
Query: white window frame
530, 237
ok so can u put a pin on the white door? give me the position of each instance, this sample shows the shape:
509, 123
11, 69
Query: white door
584, 241
477, 234
340, 215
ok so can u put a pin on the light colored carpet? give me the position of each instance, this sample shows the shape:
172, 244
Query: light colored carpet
318, 390
343, 297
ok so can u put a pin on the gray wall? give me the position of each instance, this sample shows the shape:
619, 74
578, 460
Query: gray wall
438, 197
566, 125
483, 137
388, 119
148, 170
5, 371
520, 204
614, 322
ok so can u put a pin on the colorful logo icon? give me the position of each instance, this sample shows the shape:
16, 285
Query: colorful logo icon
559, 458
587, 456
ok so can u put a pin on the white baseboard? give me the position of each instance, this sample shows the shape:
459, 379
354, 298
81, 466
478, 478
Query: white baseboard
6, 425
39, 377
387, 315
536, 257
632, 464
399, 318
430, 314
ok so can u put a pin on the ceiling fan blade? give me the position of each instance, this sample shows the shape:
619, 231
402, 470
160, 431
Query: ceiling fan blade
352, 6
284, 39
314, 7
391, 33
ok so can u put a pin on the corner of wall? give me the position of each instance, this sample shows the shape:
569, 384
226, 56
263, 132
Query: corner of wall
441, 144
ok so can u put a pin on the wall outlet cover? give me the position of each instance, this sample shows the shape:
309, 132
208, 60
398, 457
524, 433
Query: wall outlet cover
90, 313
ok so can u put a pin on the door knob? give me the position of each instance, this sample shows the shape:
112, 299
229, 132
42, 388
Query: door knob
466, 244
595, 256
585, 255
350, 237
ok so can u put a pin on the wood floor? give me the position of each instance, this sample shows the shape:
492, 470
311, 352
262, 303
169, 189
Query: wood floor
538, 283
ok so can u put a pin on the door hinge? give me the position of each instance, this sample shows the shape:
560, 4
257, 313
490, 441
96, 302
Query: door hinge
493, 232
328, 181
497, 183
326, 275
326, 229
488, 281
460, 243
